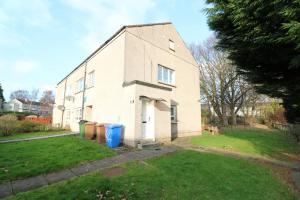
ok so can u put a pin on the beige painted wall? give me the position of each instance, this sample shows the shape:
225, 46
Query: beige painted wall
134, 55
106, 95
148, 46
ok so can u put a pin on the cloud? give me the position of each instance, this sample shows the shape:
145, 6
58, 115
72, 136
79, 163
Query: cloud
29, 12
102, 18
24, 66
16, 15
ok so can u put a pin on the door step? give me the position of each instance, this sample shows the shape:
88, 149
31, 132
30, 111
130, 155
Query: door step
148, 145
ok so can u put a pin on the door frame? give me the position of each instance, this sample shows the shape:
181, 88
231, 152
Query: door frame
148, 119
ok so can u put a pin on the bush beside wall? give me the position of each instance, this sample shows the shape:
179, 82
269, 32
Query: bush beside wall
9, 124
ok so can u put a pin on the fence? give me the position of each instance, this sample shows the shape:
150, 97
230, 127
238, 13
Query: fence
42, 120
293, 129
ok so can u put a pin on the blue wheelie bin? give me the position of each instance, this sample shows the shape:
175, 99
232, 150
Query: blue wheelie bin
113, 135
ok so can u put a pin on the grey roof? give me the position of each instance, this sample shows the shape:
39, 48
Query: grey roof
26, 101
107, 41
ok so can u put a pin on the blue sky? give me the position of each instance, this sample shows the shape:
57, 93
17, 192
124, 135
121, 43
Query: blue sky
43, 40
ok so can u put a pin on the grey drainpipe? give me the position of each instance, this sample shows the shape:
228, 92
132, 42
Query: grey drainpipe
83, 92
63, 111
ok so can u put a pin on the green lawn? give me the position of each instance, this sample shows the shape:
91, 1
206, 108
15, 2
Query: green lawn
269, 143
183, 175
25, 159
32, 134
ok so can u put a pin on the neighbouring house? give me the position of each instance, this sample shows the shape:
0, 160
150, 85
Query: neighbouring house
22, 105
1, 105
143, 77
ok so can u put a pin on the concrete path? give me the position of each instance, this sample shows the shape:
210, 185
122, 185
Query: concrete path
37, 138
16, 186
296, 178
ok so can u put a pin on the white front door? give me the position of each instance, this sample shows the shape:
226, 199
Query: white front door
147, 120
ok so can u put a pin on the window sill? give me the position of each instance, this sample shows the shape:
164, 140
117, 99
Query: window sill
174, 122
89, 87
78, 92
167, 84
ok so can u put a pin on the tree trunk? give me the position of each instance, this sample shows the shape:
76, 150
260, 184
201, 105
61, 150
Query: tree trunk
224, 115
233, 117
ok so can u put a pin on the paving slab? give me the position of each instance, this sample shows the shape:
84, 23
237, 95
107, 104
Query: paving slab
28, 184
100, 164
16, 186
5, 190
133, 155
120, 159
296, 178
83, 169
59, 176
38, 138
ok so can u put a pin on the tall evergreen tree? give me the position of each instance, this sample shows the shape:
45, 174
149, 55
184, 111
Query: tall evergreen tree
2, 99
262, 37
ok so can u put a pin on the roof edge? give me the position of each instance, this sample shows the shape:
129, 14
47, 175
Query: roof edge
108, 40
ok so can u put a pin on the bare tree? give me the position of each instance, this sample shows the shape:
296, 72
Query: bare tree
33, 97
20, 94
214, 69
34, 94
223, 89
236, 94
47, 97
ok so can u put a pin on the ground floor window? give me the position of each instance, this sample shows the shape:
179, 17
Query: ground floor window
68, 115
78, 114
173, 113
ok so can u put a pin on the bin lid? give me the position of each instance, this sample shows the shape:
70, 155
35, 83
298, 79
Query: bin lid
82, 121
90, 123
101, 124
113, 125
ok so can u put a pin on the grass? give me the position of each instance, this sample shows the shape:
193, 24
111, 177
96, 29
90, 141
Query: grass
269, 143
183, 175
25, 159
32, 134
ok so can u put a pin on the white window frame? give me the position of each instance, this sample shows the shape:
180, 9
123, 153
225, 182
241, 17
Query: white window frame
69, 90
165, 75
77, 115
174, 113
68, 115
91, 79
80, 85
171, 45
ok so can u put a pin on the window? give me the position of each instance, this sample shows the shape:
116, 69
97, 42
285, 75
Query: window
16, 107
91, 79
165, 75
173, 113
78, 113
68, 115
80, 85
69, 90
171, 45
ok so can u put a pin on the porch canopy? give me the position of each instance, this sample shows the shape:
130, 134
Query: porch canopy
152, 98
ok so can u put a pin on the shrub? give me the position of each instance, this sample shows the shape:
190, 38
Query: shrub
27, 126
19, 115
8, 124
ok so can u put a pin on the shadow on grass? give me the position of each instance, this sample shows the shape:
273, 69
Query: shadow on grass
270, 143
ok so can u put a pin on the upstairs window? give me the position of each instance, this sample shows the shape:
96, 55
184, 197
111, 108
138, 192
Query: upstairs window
171, 45
165, 75
69, 90
91, 79
80, 85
